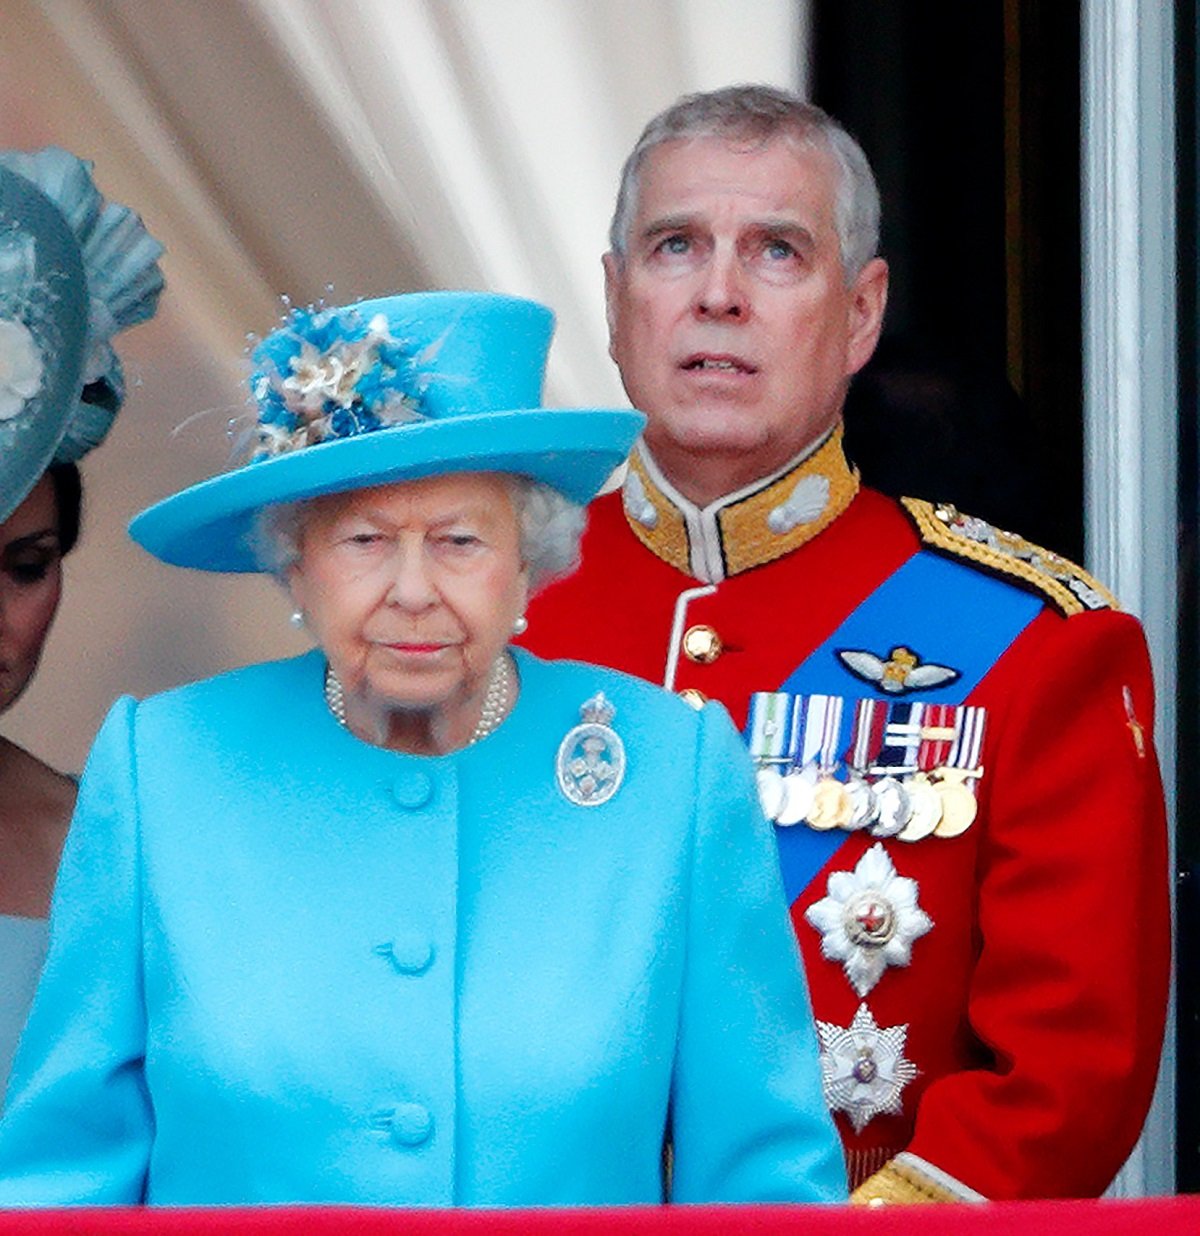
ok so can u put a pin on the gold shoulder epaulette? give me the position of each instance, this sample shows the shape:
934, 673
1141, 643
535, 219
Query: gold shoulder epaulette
1069, 588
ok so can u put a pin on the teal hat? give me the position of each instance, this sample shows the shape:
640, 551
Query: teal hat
43, 334
74, 271
383, 391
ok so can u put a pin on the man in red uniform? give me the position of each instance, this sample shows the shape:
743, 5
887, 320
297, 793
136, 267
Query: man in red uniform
951, 724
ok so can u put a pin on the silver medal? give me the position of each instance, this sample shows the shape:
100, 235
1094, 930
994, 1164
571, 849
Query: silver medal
799, 787
591, 758
864, 806
894, 807
770, 792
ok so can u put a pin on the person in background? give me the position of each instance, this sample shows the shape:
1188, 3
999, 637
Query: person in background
951, 725
414, 919
74, 270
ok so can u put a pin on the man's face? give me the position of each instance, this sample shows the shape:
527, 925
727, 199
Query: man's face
729, 316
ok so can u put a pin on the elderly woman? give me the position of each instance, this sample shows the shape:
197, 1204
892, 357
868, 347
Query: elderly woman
74, 270
416, 918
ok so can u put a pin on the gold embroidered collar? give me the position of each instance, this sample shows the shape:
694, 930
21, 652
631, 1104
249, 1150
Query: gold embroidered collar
744, 529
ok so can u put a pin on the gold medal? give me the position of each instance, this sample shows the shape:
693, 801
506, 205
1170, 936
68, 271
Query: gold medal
959, 807
926, 806
831, 806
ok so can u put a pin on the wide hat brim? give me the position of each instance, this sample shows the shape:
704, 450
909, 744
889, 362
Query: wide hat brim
43, 288
211, 526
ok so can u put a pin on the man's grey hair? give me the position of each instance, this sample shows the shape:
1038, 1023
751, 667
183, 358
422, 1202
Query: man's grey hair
551, 527
755, 115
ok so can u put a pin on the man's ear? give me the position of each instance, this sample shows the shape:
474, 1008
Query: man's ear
867, 302
612, 279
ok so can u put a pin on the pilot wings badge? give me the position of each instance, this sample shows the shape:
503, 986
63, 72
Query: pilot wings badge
901, 672
591, 758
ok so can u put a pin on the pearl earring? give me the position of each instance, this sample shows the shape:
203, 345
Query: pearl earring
297, 618
521, 625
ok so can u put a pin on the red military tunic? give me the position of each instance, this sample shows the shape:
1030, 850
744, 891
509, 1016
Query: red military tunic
1034, 1004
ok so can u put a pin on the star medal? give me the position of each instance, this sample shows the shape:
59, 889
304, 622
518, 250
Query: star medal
869, 919
863, 1068
959, 806
591, 758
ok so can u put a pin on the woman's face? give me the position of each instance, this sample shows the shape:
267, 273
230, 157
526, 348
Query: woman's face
412, 589
30, 585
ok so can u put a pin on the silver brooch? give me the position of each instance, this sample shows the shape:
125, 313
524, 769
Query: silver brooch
863, 1068
869, 919
591, 758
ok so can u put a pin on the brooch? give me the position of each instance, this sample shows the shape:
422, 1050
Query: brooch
870, 919
863, 1068
590, 765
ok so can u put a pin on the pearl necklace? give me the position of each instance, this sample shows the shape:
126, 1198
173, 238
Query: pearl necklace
496, 699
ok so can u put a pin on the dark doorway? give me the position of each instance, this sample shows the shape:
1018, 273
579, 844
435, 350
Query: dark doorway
1187, 811
970, 116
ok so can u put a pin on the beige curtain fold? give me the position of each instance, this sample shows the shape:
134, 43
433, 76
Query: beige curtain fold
283, 146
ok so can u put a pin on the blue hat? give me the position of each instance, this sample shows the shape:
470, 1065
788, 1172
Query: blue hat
74, 270
384, 391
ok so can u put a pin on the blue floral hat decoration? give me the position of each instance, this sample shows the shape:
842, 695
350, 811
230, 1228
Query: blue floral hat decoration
74, 270
384, 391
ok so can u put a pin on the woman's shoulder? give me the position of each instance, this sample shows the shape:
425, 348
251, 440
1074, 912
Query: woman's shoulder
653, 708
236, 691
571, 675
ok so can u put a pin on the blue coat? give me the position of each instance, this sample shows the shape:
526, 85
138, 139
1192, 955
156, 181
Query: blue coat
287, 966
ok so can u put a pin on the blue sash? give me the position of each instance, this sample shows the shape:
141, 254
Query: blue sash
944, 611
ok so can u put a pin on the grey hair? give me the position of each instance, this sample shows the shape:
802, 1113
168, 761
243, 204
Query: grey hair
551, 527
757, 114
551, 530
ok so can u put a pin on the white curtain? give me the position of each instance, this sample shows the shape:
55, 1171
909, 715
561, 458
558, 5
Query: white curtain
286, 146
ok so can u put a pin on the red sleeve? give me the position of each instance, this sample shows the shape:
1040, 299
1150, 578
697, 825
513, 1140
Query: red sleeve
1068, 994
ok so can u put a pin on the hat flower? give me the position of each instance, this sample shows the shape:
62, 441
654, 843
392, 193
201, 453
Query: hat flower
21, 367
328, 374
383, 392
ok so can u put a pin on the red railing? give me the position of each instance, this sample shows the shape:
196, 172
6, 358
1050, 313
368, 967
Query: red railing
1177, 1216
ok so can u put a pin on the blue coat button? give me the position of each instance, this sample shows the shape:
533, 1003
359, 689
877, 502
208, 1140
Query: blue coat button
412, 1124
413, 789
410, 951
